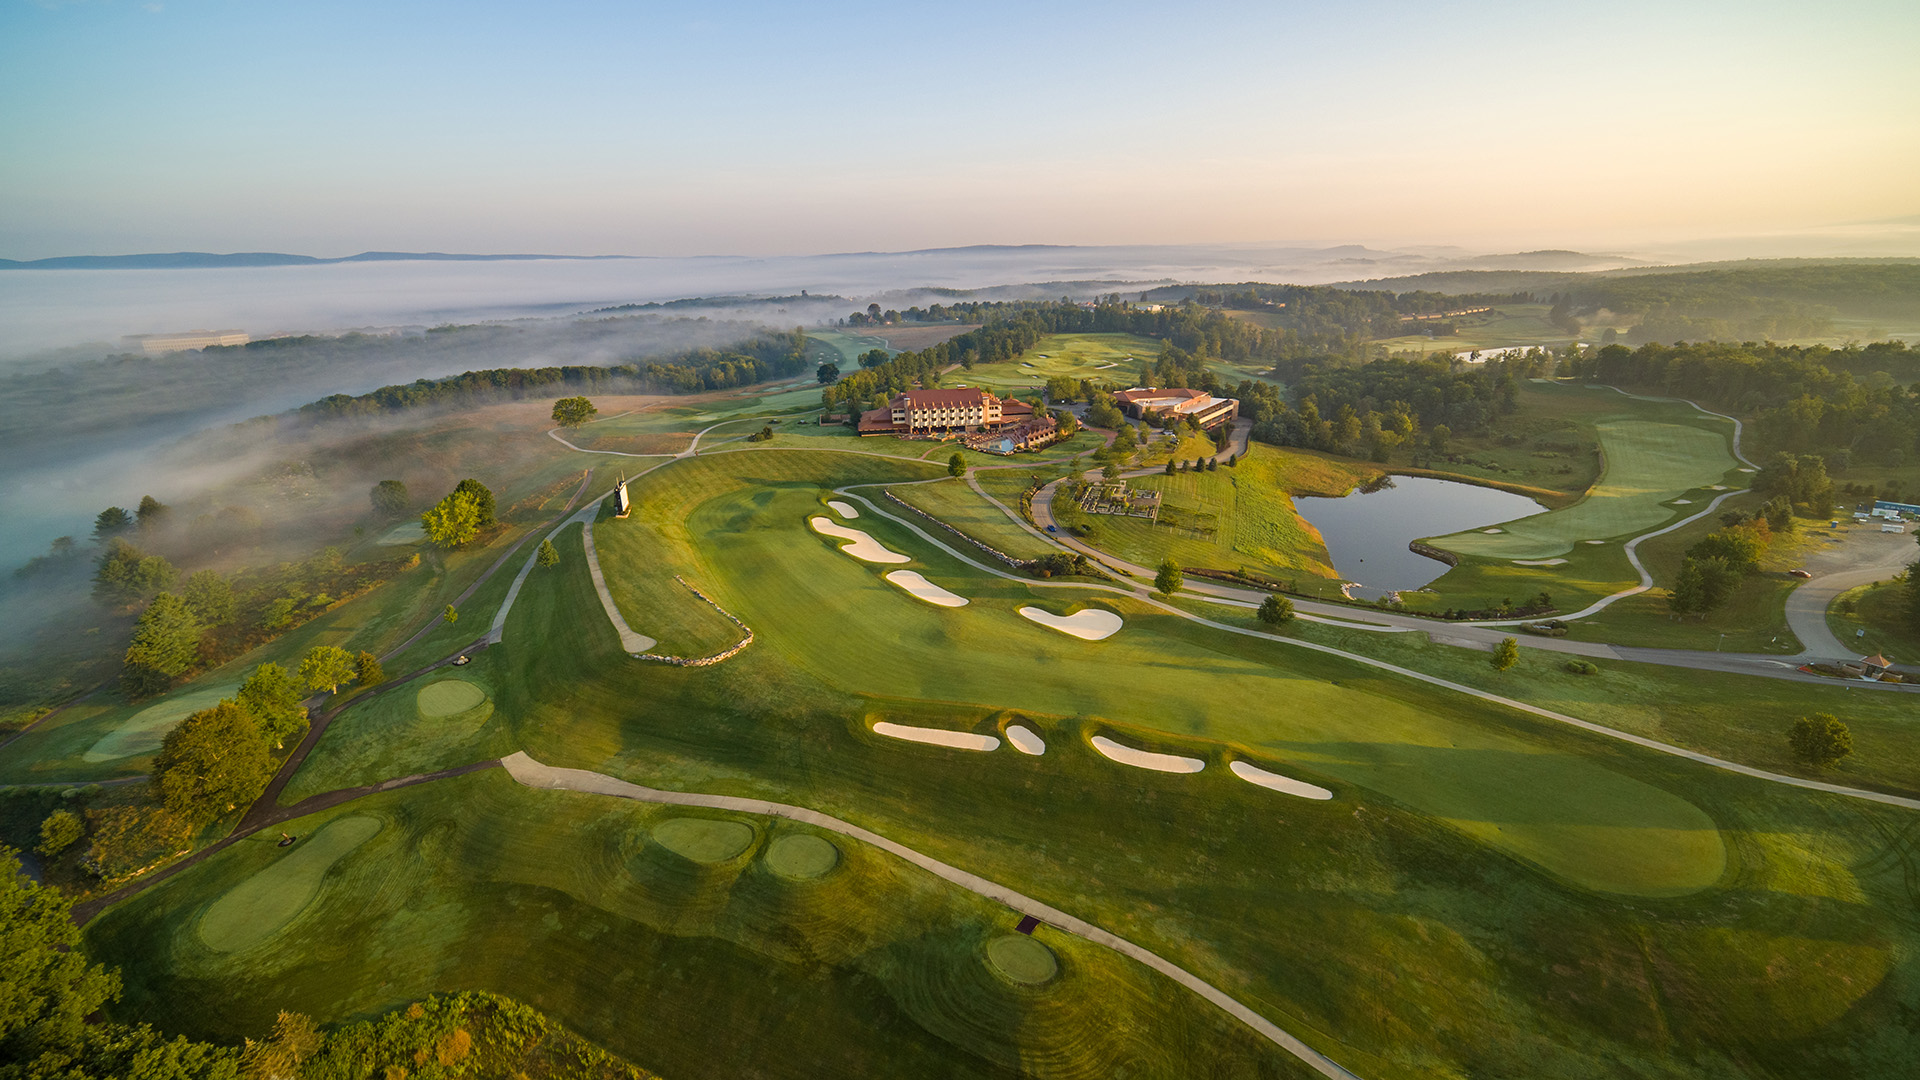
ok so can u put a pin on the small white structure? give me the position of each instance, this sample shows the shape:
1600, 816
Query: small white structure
622, 505
1893, 528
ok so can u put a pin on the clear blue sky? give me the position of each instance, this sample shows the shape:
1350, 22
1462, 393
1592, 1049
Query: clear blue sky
670, 128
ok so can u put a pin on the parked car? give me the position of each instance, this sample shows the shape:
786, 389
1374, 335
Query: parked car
1053, 528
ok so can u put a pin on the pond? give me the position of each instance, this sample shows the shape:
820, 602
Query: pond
1367, 534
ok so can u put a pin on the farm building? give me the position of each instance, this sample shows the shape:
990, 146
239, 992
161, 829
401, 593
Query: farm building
1142, 402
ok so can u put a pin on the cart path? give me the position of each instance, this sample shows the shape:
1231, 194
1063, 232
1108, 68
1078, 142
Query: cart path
530, 773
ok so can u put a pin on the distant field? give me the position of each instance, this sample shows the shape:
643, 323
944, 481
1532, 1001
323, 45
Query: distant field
1648, 464
1505, 326
913, 337
1114, 358
846, 346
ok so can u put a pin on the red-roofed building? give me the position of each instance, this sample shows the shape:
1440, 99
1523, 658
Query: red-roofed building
938, 412
1142, 402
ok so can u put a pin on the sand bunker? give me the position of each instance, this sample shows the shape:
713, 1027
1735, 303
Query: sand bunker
863, 546
1538, 562
801, 856
1144, 759
844, 509
1716, 487
1092, 624
278, 892
921, 589
1253, 774
1491, 532
958, 740
1683, 502
143, 732
1025, 741
1593, 541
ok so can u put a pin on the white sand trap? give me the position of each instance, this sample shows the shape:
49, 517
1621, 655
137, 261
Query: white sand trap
863, 546
1683, 502
921, 589
1145, 759
1492, 531
844, 509
1716, 487
958, 740
1092, 624
1538, 562
1253, 774
1025, 740
1593, 541
1746, 470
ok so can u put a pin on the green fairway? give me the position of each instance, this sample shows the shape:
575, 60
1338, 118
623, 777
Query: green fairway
1596, 826
277, 893
143, 731
703, 840
1648, 465
802, 856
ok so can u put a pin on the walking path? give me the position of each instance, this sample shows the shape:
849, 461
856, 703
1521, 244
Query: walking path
533, 774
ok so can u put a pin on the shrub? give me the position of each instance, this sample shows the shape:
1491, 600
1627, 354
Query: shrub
1583, 667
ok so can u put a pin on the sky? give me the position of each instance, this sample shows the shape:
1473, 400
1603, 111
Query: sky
763, 128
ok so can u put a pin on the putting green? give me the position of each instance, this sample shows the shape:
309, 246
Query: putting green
1589, 824
256, 908
801, 856
143, 732
1648, 463
704, 840
449, 697
1020, 959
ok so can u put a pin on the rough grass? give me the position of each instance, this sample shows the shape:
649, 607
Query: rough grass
1880, 610
958, 505
1648, 464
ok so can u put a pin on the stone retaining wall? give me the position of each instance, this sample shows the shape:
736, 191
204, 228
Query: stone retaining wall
704, 661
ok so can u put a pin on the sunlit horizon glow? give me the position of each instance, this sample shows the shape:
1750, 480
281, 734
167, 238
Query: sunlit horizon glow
762, 129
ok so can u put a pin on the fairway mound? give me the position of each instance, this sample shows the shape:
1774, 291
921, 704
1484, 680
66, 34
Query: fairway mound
277, 893
802, 856
918, 587
1146, 759
957, 740
143, 731
844, 509
448, 698
1022, 960
1025, 740
1092, 624
863, 546
1253, 774
704, 840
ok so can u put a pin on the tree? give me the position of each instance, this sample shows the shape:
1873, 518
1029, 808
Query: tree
573, 411
828, 373
61, 830
1171, 467
389, 498
1112, 471
126, 575
873, 358
367, 669
1169, 579
214, 761
1820, 739
166, 642
47, 988
957, 465
210, 597
280, 1055
1276, 610
547, 554
112, 522
152, 513
482, 499
1507, 655
452, 616
452, 521
273, 699
325, 667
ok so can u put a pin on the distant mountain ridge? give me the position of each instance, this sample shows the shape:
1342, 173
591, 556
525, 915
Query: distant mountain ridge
205, 260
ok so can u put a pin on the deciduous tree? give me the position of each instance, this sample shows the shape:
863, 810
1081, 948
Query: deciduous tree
573, 411
1820, 739
325, 667
127, 575
1169, 579
389, 498
166, 642
213, 762
482, 499
1505, 655
209, 596
956, 465
1276, 610
273, 699
827, 373
47, 988
61, 830
452, 521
